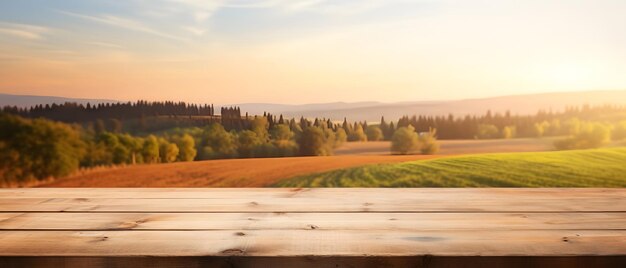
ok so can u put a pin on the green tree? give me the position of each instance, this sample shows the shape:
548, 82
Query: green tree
283, 139
384, 127
340, 137
508, 132
134, 145
186, 146
357, 134
374, 133
150, 150
119, 154
488, 131
248, 142
37, 149
313, 142
260, 126
282, 132
168, 152
404, 141
218, 143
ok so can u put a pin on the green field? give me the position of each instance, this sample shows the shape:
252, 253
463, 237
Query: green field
581, 168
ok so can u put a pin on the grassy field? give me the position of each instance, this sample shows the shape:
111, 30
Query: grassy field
583, 168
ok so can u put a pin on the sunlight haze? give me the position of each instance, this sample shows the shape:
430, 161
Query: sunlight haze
309, 51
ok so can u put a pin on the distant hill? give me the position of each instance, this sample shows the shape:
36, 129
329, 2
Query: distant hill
372, 111
517, 104
294, 109
31, 100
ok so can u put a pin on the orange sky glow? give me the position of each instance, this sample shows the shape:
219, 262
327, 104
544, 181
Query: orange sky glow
310, 51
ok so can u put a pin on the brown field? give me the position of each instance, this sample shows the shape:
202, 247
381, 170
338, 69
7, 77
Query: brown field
266, 171
456, 147
257, 172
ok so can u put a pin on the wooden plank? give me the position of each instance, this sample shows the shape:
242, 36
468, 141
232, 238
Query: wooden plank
279, 243
315, 262
372, 203
312, 222
305, 221
359, 193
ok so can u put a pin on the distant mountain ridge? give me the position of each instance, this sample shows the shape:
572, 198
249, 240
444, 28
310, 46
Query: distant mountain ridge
372, 111
516, 104
32, 100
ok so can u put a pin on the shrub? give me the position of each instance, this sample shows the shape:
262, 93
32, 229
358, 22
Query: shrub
37, 149
428, 142
404, 141
590, 135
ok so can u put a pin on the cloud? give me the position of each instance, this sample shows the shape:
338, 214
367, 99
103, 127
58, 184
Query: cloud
123, 23
340, 7
25, 31
103, 44
345, 7
194, 30
200, 10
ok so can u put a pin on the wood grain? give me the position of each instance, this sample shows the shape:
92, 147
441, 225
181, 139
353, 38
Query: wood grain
221, 193
307, 221
313, 200
303, 223
313, 243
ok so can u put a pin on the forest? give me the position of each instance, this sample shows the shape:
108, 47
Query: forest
56, 140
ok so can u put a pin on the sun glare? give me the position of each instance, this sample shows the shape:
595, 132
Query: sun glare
570, 75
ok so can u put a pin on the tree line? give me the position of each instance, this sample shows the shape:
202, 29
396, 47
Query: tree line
505, 125
37, 149
72, 112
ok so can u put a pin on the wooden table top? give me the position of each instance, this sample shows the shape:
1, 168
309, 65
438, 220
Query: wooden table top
345, 222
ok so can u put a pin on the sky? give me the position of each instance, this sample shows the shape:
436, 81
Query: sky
306, 51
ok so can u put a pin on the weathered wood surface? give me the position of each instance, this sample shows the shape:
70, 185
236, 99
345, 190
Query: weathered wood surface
312, 200
317, 262
327, 223
90, 221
